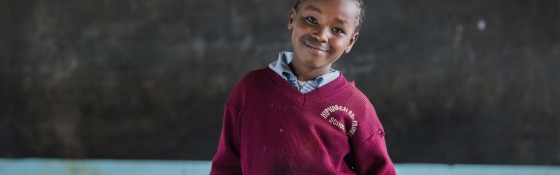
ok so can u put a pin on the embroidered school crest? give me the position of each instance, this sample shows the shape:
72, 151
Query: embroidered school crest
339, 123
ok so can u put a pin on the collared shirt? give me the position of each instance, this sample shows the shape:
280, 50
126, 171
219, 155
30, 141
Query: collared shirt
281, 66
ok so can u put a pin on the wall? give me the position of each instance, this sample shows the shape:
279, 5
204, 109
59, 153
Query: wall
452, 81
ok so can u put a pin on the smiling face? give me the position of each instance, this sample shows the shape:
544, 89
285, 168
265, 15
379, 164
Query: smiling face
321, 31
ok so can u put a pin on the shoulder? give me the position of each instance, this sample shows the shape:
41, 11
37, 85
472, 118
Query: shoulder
357, 96
363, 102
251, 78
248, 83
255, 74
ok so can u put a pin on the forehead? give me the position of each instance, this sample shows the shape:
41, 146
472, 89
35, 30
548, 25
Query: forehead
347, 10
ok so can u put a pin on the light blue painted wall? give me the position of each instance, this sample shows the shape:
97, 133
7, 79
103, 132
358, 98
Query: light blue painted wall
32, 166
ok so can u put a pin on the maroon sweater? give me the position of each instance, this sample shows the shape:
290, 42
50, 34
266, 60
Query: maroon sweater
269, 127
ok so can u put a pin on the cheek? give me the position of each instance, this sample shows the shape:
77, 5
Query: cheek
294, 38
341, 44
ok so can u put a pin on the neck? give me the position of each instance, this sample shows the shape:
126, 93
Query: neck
306, 74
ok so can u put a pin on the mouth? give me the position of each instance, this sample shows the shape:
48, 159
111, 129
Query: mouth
315, 47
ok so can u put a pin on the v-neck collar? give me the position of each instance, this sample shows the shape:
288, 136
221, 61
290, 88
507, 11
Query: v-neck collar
305, 99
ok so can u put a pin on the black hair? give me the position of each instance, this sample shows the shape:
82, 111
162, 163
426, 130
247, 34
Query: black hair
360, 18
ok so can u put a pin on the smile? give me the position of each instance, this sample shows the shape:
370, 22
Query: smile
318, 48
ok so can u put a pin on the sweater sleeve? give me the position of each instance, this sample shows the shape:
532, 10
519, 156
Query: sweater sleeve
369, 147
227, 159
372, 158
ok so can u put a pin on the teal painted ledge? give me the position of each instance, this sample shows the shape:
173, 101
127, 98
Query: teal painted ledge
33, 166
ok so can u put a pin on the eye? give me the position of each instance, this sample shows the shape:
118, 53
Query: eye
311, 20
337, 31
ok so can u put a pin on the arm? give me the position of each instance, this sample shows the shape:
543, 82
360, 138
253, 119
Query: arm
369, 149
227, 159
371, 156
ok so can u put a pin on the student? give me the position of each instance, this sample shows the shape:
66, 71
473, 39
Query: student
300, 116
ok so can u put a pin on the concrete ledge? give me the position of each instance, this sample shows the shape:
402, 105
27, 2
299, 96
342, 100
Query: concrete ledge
34, 166
101, 167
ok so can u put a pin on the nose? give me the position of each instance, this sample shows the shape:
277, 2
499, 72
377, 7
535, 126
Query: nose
322, 34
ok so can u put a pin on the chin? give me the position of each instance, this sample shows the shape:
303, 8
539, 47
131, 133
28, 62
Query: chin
315, 65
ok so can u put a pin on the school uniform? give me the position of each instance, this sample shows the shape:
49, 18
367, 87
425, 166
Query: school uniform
272, 126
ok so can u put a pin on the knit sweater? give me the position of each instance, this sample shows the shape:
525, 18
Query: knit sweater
269, 127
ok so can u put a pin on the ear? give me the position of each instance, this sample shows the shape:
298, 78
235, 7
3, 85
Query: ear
292, 18
351, 43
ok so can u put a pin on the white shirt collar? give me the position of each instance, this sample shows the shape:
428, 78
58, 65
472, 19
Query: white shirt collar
284, 58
